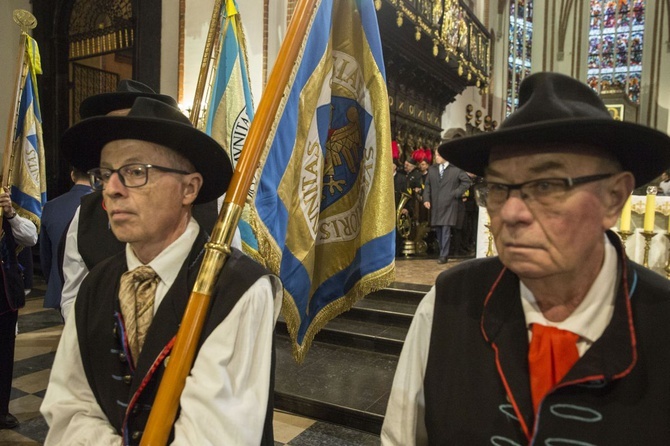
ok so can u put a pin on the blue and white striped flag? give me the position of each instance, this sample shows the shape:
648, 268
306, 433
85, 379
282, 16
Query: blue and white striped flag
325, 208
230, 104
28, 177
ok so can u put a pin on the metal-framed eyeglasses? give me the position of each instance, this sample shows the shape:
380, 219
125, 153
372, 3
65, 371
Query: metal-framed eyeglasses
545, 192
130, 175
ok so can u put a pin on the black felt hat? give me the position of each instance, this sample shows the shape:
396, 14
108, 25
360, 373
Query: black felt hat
555, 108
153, 121
126, 92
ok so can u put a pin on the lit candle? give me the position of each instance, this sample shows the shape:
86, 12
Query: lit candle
624, 225
650, 210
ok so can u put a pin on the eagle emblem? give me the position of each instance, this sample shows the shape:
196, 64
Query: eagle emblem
342, 145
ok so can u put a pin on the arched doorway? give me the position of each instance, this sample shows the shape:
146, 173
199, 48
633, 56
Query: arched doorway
100, 49
86, 47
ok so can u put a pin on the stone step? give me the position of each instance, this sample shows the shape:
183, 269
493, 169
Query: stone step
378, 322
347, 373
337, 384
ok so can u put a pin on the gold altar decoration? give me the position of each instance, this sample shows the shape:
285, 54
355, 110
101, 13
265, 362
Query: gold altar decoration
455, 32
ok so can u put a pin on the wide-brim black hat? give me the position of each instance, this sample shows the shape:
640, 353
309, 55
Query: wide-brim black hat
555, 108
153, 121
126, 92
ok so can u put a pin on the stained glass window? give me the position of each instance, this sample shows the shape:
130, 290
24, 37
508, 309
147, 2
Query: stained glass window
616, 35
520, 46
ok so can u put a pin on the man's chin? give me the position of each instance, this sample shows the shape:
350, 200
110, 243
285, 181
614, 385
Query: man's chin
527, 268
120, 233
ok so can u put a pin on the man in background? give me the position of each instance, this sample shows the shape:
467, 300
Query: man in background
444, 187
56, 216
18, 232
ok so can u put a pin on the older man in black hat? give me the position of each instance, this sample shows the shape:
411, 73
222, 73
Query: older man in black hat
88, 239
560, 339
152, 166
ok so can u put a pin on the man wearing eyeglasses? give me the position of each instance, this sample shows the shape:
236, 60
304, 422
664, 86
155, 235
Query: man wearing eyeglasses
561, 339
88, 239
152, 166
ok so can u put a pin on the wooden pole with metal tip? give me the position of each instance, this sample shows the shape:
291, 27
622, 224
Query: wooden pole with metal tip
26, 21
165, 406
214, 29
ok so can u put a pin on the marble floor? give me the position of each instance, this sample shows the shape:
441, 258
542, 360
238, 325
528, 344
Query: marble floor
39, 332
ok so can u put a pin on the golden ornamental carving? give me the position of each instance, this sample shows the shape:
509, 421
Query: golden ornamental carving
452, 28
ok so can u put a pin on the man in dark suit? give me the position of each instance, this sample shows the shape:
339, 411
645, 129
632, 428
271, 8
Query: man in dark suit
442, 193
56, 217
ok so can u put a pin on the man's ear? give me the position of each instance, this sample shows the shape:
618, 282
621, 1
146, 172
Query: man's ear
618, 189
192, 185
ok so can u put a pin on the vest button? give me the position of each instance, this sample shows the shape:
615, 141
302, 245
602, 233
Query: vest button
127, 379
136, 435
122, 357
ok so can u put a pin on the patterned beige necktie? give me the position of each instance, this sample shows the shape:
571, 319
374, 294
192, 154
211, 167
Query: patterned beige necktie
136, 297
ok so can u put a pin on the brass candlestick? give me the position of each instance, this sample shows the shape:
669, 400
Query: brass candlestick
647, 245
489, 247
667, 262
624, 236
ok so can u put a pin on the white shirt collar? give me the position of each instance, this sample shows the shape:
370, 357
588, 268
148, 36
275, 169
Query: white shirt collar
168, 263
594, 314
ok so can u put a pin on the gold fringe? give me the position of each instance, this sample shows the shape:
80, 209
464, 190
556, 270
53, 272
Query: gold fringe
30, 216
368, 284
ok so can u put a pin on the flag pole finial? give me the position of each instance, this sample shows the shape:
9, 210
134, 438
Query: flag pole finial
24, 19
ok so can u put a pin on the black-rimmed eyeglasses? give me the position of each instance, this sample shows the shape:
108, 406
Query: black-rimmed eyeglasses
130, 175
543, 191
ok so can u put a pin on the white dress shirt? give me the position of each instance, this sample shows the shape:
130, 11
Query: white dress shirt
404, 423
225, 397
23, 230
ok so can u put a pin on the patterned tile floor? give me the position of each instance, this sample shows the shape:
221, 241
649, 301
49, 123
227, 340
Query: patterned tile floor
39, 332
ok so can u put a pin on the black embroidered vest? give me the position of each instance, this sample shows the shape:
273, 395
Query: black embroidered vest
477, 384
126, 394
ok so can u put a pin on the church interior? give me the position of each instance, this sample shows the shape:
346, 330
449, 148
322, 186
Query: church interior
453, 68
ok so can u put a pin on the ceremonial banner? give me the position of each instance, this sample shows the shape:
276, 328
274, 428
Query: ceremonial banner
230, 104
324, 202
27, 177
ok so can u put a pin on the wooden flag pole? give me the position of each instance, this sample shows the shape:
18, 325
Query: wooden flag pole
26, 21
165, 406
214, 28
